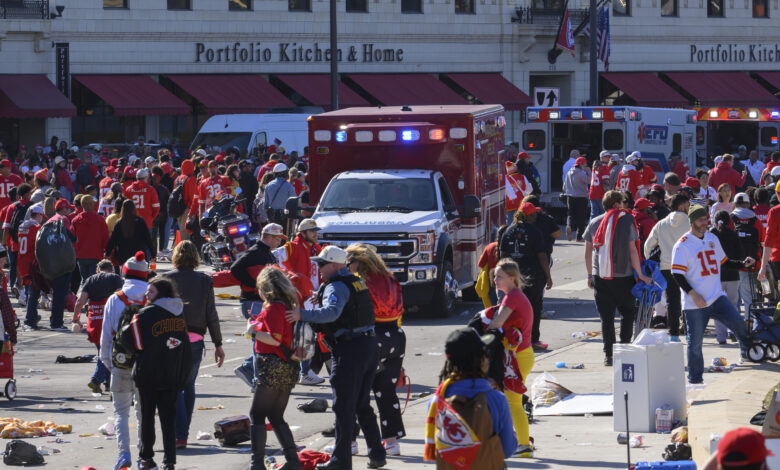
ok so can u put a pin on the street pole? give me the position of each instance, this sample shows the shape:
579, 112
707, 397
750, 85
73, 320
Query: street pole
594, 69
334, 59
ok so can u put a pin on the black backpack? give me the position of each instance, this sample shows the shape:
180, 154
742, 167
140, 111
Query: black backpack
176, 203
84, 175
121, 356
16, 220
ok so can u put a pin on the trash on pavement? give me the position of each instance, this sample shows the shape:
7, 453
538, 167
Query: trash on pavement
622, 438
21, 453
719, 361
318, 405
648, 337
577, 404
203, 436
107, 429
46, 450
677, 451
75, 359
546, 391
560, 365
664, 417
578, 366
636, 441
232, 431
35, 371
205, 408
11, 428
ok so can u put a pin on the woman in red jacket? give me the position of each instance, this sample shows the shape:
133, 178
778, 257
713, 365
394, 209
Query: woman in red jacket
388, 310
276, 372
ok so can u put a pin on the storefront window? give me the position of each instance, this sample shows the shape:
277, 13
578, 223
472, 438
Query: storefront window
179, 5
621, 7
464, 6
668, 7
760, 9
715, 8
239, 5
411, 6
299, 5
114, 3
360, 6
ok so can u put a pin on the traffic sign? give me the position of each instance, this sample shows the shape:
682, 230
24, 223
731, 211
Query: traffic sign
547, 96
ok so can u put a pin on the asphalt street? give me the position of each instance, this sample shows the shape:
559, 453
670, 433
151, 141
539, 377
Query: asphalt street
59, 392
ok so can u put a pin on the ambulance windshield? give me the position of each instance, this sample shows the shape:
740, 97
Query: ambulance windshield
393, 195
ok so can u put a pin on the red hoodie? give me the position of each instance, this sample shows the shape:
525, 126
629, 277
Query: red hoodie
190, 183
147, 205
724, 173
297, 258
386, 297
91, 235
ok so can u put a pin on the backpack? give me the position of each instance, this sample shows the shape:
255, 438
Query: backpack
259, 216
54, 250
121, 356
18, 452
84, 175
478, 446
176, 203
304, 342
16, 220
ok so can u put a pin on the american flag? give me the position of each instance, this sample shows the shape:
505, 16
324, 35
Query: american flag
602, 39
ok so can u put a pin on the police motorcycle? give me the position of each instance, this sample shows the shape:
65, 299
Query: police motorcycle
225, 232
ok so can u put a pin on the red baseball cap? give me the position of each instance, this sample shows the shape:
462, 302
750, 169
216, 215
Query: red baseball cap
642, 203
581, 161
129, 172
62, 203
166, 167
523, 156
527, 208
693, 183
742, 446
219, 158
114, 162
6, 163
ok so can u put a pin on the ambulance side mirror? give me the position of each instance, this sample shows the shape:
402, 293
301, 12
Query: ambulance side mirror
293, 208
472, 207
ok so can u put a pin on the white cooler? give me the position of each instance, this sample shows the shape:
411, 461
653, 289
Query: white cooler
653, 376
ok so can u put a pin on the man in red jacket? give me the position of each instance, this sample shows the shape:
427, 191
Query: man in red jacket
210, 187
147, 205
187, 179
91, 238
724, 173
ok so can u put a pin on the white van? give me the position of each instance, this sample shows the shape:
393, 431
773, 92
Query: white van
247, 131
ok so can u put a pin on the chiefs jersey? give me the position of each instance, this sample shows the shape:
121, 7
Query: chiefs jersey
517, 187
209, 188
105, 186
629, 180
699, 260
648, 176
27, 232
6, 184
598, 179
147, 205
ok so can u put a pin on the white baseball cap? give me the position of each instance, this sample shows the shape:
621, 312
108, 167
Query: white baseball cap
308, 224
775, 171
36, 209
742, 197
637, 154
631, 158
150, 160
201, 152
604, 153
331, 254
273, 229
142, 173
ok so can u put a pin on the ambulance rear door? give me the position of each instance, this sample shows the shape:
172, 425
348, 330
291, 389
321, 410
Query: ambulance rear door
615, 138
536, 143
702, 153
768, 134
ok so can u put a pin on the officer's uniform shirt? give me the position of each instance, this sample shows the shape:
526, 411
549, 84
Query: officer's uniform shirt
334, 298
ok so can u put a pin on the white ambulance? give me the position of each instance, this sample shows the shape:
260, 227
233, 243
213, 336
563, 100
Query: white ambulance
723, 130
550, 134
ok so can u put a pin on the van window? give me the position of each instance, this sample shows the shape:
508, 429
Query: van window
677, 143
613, 139
222, 140
699, 135
260, 139
533, 140
446, 197
769, 137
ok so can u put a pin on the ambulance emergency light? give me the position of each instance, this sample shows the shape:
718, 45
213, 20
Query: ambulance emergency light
597, 114
714, 114
753, 114
774, 115
341, 136
410, 135
555, 114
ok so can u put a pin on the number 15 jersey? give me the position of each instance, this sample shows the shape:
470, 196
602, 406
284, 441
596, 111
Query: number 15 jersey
699, 260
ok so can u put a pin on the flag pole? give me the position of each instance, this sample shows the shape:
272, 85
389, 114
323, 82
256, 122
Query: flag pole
594, 70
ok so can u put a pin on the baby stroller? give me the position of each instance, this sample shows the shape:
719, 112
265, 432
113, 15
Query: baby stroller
763, 325
7, 370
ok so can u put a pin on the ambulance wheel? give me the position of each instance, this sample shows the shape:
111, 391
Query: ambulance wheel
10, 389
773, 351
446, 291
756, 352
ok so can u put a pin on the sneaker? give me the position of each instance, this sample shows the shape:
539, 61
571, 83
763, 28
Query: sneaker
568, 233
608, 361
524, 452
94, 385
148, 465
310, 378
181, 443
329, 449
123, 461
539, 345
60, 329
732, 338
241, 374
393, 448
23, 300
674, 339
15, 291
27, 327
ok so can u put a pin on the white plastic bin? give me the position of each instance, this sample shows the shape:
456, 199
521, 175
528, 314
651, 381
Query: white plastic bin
653, 376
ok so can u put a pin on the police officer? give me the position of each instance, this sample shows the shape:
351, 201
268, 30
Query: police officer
277, 193
346, 316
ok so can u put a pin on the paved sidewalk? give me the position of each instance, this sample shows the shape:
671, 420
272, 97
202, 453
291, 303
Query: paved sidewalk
563, 442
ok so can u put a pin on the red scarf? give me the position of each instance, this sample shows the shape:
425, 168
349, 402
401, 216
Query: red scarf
604, 237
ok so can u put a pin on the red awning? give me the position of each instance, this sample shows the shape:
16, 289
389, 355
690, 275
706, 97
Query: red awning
772, 77
724, 89
646, 89
411, 89
32, 96
316, 89
492, 88
134, 95
232, 94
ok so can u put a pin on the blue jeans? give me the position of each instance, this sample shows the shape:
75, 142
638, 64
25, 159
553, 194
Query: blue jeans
746, 290
87, 267
722, 310
101, 374
165, 231
248, 366
33, 295
185, 403
60, 287
596, 208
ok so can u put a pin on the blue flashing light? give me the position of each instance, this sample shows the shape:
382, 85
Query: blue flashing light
775, 114
341, 136
242, 228
409, 135
406, 135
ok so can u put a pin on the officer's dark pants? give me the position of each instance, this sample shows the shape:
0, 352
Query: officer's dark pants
354, 367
